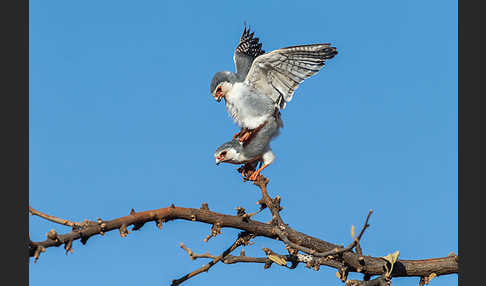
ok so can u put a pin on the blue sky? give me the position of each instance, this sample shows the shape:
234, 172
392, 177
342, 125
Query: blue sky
121, 117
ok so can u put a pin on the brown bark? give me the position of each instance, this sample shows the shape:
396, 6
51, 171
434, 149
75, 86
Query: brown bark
345, 260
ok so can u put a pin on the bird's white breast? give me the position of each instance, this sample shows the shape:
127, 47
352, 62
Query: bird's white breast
241, 102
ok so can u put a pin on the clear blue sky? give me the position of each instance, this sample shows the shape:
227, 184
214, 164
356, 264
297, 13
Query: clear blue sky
121, 117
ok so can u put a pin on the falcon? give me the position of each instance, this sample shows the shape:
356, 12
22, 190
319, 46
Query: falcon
265, 82
256, 151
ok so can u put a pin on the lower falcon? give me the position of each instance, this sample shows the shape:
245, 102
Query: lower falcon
257, 150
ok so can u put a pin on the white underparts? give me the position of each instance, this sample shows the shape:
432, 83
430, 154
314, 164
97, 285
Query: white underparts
237, 102
268, 157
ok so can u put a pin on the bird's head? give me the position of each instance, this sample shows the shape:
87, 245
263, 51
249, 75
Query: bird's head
227, 153
221, 84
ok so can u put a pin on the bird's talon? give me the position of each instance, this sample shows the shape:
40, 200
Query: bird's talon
253, 177
245, 137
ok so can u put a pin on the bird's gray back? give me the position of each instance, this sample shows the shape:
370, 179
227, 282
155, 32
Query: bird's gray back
260, 143
259, 104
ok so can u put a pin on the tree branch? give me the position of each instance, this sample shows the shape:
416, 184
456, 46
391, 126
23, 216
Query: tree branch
309, 260
243, 239
375, 266
321, 252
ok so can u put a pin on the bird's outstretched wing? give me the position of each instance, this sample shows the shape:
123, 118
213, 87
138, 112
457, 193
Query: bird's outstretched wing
247, 50
278, 73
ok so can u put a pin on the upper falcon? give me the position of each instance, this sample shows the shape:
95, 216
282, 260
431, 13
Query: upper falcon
265, 82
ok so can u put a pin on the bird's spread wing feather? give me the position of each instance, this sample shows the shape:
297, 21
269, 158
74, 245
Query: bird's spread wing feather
247, 50
277, 74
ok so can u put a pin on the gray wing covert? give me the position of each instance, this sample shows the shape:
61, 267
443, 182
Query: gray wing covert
247, 50
278, 73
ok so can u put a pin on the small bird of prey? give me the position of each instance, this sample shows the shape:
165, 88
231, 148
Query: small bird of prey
257, 150
265, 81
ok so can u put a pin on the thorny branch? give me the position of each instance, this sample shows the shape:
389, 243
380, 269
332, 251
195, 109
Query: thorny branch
319, 252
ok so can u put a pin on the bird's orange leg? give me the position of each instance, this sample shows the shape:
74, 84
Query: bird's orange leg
243, 130
245, 136
255, 174
249, 133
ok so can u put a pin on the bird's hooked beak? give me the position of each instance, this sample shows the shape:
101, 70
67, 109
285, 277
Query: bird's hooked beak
220, 158
219, 96
218, 93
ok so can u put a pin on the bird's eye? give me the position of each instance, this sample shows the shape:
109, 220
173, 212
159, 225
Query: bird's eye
219, 89
223, 154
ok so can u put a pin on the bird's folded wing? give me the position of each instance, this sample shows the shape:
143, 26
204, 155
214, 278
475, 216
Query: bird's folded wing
278, 74
247, 50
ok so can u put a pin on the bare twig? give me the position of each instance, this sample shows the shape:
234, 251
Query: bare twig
351, 245
54, 219
195, 256
243, 238
294, 259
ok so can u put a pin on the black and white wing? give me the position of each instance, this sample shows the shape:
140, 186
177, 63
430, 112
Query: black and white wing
277, 74
247, 50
